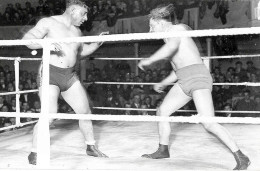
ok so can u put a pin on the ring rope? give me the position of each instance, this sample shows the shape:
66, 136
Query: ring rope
204, 58
19, 125
137, 36
18, 92
20, 59
251, 84
154, 110
140, 118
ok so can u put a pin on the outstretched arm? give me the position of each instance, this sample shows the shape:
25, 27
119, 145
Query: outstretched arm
166, 51
37, 32
88, 49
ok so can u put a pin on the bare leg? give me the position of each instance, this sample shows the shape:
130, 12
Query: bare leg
174, 100
77, 98
54, 92
204, 106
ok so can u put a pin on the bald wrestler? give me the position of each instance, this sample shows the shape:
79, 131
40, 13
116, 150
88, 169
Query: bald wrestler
63, 79
193, 81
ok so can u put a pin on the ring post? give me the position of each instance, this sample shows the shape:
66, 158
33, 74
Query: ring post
43, 135
17, 96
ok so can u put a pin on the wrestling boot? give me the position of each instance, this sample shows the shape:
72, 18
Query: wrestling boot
242, 161
162, 152
93, 151
32, 158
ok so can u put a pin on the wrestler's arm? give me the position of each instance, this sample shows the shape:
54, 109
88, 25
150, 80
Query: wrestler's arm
167, 50
87, 49
39, 31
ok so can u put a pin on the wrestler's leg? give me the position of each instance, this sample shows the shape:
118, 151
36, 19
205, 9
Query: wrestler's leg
77, 98
54, 92
174, 100
204, 105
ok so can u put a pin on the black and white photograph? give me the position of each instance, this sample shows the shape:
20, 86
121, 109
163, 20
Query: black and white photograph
134, 85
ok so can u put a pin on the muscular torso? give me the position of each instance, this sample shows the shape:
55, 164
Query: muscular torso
67, 57
187, 52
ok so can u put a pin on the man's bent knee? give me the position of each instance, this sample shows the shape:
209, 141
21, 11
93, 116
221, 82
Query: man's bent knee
209, 126
162, 112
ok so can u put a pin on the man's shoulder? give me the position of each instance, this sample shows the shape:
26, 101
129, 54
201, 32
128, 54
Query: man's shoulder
182, 27
47, 20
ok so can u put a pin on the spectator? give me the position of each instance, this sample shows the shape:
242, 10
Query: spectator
144, 112
29, 8
136, 103
32, 97
227, 107
240, 71
246, 104
36, 107
112, 16
122, 68
5, 108
18, 7
257, 100
127, 112
250, 67
7, 19
13, 105
136, 8
111, 101
254, 89
25, 107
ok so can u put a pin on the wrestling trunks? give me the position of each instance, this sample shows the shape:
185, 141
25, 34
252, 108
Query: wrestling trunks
194, 77
64, 78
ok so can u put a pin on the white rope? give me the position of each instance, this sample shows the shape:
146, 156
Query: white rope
18, 92
153, 110
204, 58
249, 84
18, 125
137, 36
22, 59
139, 118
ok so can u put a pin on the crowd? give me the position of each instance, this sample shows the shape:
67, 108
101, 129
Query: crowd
109, 10
239, 97
18, 14
225, 97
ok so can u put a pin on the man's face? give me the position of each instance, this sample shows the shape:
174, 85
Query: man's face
79, 15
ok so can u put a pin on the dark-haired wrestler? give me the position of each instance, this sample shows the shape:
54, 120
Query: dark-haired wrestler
193, 81
63, 78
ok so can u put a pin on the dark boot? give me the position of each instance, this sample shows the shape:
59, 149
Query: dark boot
32, 158
93, 151
162, 152
242, 161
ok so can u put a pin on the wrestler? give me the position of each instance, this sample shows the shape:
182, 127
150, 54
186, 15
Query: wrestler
193, 81
63, 79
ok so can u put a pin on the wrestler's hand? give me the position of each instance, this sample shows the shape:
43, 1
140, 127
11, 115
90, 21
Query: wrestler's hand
144, 63
101, 34
159, 87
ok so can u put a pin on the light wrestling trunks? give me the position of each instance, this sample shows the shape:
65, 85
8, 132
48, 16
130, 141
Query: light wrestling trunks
194, 77
64, 78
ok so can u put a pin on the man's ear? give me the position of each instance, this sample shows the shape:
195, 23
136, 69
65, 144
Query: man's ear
72, 10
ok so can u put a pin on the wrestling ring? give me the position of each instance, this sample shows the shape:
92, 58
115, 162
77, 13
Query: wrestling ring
124, 138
